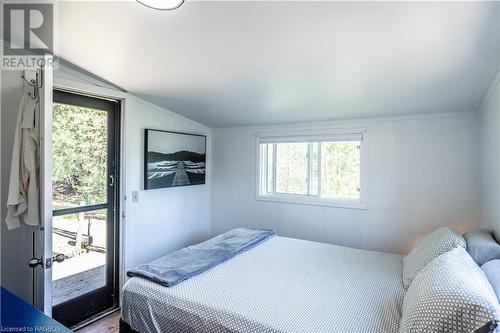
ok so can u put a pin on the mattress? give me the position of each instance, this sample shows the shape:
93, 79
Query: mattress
282, 285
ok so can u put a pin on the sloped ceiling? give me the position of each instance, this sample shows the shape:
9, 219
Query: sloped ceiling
247, 63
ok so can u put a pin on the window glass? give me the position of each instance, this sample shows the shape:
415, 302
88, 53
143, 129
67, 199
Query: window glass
326, 169
80, 149
270, 168
291, 168
315, 166
340, 169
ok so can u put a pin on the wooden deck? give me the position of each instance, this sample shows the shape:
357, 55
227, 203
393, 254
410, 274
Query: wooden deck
78, 284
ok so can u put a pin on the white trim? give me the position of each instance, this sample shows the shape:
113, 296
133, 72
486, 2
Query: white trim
346, 122
122, 219
87, 89
46, 182
318, 134
303, 138
308, 199
302, 199
364, 164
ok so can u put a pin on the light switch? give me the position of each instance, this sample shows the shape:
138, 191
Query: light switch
135, 196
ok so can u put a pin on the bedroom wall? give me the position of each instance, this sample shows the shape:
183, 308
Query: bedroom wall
164, 219
490, 158
423, 173
15, 273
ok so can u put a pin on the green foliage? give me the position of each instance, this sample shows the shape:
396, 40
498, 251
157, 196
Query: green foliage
338, 174
291, 168
80, 150
340, 169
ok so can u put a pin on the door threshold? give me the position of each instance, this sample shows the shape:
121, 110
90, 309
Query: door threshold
93, 319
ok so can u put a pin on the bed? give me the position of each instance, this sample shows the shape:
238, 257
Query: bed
281, 285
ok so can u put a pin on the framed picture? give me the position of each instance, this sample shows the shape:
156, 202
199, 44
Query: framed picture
174, 159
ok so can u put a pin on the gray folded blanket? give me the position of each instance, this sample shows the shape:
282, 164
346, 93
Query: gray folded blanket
185, 263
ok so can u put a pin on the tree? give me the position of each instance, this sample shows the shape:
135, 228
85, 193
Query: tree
80, 151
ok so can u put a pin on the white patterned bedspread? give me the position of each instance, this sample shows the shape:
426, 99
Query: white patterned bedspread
282, 285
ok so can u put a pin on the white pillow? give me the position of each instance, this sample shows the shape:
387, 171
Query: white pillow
451, 294
438, 242
492, 271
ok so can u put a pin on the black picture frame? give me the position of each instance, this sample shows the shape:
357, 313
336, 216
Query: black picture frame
174, 159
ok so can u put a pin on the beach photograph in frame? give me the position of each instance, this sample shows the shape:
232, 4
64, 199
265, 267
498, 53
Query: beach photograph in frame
173, 159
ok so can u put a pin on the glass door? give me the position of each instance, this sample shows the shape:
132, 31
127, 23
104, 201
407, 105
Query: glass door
84, 196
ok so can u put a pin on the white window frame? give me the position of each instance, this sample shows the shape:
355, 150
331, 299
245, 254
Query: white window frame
311, 136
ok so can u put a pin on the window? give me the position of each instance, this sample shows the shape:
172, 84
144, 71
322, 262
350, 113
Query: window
313, 169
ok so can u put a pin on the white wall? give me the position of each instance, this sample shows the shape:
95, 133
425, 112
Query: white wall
16, 248
164, 219
490, 160
423, 173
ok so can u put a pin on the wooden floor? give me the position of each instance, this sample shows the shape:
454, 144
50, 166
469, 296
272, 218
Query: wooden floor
108, 324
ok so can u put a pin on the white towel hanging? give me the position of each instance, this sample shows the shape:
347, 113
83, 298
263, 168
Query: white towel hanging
23, 199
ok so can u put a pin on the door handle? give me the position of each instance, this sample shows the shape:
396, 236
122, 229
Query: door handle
58, 258
34, 262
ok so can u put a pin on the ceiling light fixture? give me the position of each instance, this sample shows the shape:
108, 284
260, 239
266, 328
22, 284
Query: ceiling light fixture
162, 4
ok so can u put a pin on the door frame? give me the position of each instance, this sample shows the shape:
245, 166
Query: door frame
42, 239
70, 312
82, 85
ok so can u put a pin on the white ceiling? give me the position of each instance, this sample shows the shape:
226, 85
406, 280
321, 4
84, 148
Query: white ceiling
247, 63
